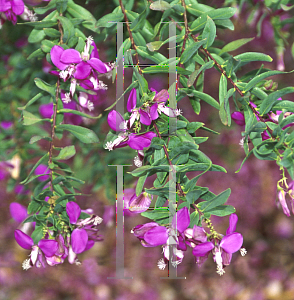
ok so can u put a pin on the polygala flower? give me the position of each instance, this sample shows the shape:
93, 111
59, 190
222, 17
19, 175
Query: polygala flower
135, 141
39, 253
11, 9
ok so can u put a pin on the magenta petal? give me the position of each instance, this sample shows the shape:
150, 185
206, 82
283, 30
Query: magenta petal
23, 239
154, 112
46, 110
138, 142
73, 210
156, 236
94, 52
70, 56
199, 234
149, 135
83, 70
161, 96
48, 247
238, 118
144, 117
233, 223
97, 64
132, 100
17, 6
140, 203
55, 54
90, 244
181, 219
5, 5
18, 212
203, 249
232, 243
79, 240
140, 230
114, 120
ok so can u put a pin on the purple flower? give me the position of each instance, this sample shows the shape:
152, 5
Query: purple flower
6, 124
46, 110
151, 234
39, 254
84, 236
42, 169
139, 204
83, 67
135, 141
12, 8
18, 212
238, 118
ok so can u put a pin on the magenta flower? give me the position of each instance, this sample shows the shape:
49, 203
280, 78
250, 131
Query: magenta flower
39, 253
238, 118
6, 124
11, 9
42, 169
139, 204
151, 234
135, 141
83, 67
85, 235
18, 212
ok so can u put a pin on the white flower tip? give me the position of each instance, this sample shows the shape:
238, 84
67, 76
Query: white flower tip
109, 146
137, 162
161, 264
243, 251
26, 264
90, 105
220, 271
66, 98
97, 220
241, 143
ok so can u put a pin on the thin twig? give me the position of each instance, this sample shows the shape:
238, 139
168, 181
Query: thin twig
130, 34
182, 194
53, 131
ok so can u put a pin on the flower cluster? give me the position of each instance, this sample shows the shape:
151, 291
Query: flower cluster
82, 68
77, 236
202, 243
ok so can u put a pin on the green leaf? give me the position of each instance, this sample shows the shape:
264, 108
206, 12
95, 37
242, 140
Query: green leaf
37, 138
51, 32
192, 196
66, 153
253, 56
235, 45
68, 29
221, 210
153, 46
143, 84
29, 118
37, 234
165, 69
288, 120
41, 24
209, 32
154, 56
220, 199
140, 184
109, 20
81, 45
80, 12
34, 207
260, 77
194, 75
45, 86
36, 36
40, 161
160, 5
61, 6
191, 50
194, 219
216, 14
205, 97
85, 135
46, 45
139, 22
76, 112
269, 101
36, 54
44, 9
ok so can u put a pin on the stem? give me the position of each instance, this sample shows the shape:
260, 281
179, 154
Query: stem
187, 31
130, 34
182, 194
61, 32
53, 131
